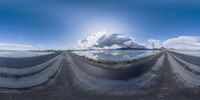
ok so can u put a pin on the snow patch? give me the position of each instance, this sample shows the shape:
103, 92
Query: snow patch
32, 80
191, 79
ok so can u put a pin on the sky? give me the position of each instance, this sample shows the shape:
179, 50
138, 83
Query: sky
60, 24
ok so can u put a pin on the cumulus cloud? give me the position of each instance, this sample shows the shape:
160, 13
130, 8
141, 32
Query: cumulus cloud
10, 46
180, 42
183, 42
105, 40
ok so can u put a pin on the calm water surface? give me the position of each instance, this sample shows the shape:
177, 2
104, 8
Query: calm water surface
21, 54
116, 55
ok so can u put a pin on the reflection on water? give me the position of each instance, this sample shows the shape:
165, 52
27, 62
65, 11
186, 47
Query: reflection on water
188, 52
21, 54
116, 55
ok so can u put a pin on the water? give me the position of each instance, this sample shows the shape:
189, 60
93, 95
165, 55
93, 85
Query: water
188, 52
22, 54
116, 55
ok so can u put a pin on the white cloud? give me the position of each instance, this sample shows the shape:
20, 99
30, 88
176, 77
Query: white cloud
183, 42
180, 42
108, 41
10, 46
115, 40
155, 42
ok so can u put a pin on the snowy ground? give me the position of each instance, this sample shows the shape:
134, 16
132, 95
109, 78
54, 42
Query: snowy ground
188, 52
170, 77
22, 54
187, 73
29, 76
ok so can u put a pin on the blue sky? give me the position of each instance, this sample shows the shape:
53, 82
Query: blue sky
61, 23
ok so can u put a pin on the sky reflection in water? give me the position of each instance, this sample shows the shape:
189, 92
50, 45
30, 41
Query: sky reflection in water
116, 55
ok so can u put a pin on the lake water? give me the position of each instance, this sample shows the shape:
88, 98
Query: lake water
22, 54
188, 52
116, 55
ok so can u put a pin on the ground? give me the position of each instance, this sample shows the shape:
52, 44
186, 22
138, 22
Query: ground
63, 88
